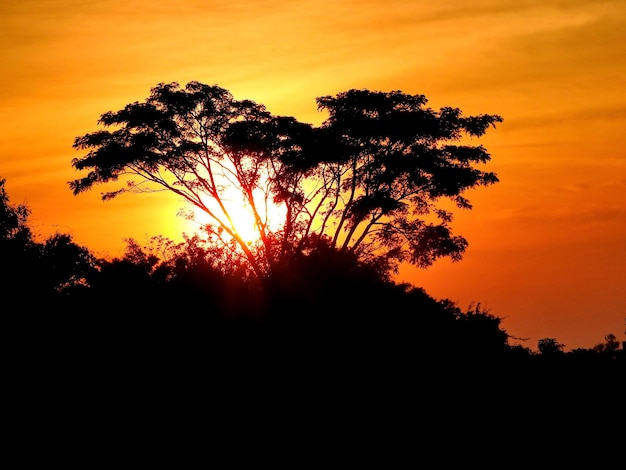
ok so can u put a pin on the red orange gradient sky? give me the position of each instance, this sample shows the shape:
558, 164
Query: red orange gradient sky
547, 246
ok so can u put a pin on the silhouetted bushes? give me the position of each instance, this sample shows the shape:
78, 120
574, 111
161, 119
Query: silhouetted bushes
321, 312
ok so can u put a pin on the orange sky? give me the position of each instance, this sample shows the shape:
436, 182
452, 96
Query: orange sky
547, 246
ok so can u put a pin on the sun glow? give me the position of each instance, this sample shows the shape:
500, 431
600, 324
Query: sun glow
241, 215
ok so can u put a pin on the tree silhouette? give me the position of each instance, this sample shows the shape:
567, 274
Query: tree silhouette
13, 219
18, 250
366, 181
550, 347
34, 272
388, 161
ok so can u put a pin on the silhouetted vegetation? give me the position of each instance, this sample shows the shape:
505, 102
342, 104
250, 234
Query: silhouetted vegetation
308, 318
36, 272
324, 309
376, 179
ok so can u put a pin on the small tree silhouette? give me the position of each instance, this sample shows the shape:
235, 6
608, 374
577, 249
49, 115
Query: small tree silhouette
550, 347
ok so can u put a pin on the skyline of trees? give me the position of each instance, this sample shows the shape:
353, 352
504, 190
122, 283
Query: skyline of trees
58, 277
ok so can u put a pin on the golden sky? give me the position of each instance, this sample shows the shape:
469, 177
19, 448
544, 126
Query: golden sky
547, 246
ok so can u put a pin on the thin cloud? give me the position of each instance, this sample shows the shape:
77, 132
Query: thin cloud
597, 114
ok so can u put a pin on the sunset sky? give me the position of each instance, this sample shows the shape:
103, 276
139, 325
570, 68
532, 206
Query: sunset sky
547, 244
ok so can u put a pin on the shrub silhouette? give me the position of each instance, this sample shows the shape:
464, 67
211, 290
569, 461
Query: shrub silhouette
326, 314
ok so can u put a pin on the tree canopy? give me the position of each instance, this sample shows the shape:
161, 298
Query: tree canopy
34, 271
370, 180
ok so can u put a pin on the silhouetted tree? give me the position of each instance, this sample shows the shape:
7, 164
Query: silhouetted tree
18, 251
550, 347
34, 273
64, 264
386, 161
13, 220
610, 345
367, 181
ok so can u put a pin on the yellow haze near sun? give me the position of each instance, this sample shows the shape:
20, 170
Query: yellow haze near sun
242, 219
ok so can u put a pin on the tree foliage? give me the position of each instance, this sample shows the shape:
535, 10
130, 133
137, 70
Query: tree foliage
13, 220
610, 345
33, 270
368, 181
550, 347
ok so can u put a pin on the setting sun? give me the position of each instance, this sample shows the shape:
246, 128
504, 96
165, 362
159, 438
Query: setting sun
240, 213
